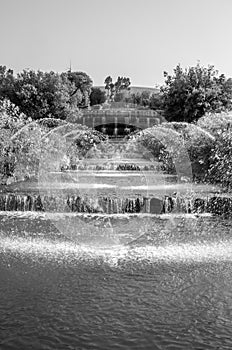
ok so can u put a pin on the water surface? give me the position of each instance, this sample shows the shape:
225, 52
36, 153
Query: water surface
170, 287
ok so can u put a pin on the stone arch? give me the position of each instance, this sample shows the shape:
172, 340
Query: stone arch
121, 118
119, 130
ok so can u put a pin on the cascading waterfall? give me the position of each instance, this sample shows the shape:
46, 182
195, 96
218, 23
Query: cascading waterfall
110, 205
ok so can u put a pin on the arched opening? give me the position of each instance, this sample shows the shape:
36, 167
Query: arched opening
118, 130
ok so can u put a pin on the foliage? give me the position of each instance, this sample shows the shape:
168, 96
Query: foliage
11, 120
119, 97
216, 123
146, 99
220, 170
10, 117
220, 165
198, 144
97, 96
7, 81
166, 146
45, 94
190, 93
141, 99
25, 151
74, 116
121, 84
109, 86
156, 101
88, 139
51, 123
82, 84
40, 95
24, 144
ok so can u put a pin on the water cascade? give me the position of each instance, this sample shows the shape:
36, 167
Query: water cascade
76, 204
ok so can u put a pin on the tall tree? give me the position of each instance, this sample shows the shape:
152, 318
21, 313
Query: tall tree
109, 86
122, 83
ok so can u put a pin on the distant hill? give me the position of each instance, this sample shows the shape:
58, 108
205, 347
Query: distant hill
136, 89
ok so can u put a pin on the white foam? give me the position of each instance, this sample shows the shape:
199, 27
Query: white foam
62, 251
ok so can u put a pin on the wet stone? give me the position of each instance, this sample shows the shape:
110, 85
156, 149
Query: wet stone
156, 206
199, 205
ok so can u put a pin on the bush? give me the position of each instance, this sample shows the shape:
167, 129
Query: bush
23, 143
220, 169
166, 146
216, 123
198, 143
219, 162
87, 139
11, 120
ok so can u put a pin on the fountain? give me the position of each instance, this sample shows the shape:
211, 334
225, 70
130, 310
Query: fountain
109, 181
109, 250
117, 176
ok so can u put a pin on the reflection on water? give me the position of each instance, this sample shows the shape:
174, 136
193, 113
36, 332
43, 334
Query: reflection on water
170, 287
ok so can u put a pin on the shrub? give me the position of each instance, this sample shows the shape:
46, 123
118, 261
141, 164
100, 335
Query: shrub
219, 161
216, 123
166, 146
220, 169
198, 143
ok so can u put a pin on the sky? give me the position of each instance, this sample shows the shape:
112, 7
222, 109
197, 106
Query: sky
139, 39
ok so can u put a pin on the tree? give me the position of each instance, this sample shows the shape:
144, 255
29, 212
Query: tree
109, 86
7, 81
97, 96
156, 101
134, 98
45, 94
81, 87
40, 95
11, 120
190, 93
145, 98
122, 83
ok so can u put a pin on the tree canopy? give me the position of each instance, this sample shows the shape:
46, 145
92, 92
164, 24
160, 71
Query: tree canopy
121, 84
190, 93
82, 85
97, 96
40, 94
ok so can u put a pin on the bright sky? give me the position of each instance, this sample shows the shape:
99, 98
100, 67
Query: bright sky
135, 38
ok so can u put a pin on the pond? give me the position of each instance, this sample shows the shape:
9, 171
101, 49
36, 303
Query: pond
170, 288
